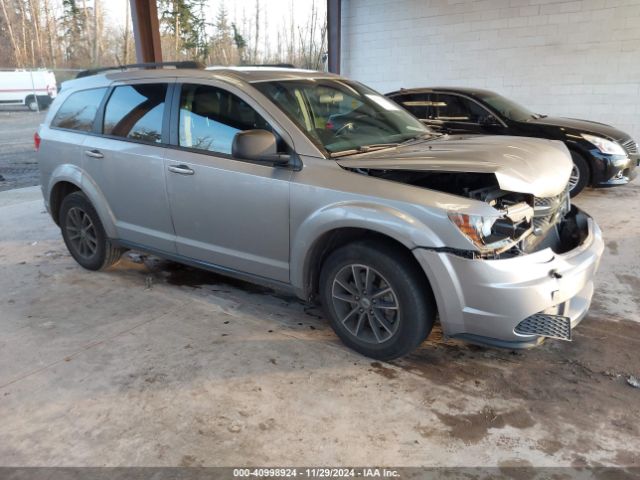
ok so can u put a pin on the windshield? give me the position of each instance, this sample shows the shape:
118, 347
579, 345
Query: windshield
506, 107
339, 116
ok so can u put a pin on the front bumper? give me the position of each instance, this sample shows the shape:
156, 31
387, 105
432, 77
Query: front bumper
483, 301
617, 172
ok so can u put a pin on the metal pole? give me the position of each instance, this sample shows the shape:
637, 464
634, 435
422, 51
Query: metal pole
334, 27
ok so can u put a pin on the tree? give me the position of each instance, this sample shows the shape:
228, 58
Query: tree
180, 25
223, 45
239, 42
17, 52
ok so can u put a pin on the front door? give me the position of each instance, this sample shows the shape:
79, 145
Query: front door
226, 211
126, 163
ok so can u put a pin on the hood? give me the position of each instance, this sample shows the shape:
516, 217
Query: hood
520, 164
582, 126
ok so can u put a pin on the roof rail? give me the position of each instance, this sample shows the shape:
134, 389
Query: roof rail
183, 64
277, 65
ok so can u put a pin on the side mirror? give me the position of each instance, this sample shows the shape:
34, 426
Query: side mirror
259, 146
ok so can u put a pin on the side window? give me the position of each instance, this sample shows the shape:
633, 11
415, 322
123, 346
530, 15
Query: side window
453, 108
136, 112
416, 103
210, 117
79, 110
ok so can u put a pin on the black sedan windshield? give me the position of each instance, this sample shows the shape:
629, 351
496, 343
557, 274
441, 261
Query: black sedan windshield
506, 107
340, 116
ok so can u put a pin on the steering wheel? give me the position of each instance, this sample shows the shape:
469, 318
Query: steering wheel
349, 126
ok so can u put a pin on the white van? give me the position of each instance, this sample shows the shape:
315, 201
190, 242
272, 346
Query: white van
36, 89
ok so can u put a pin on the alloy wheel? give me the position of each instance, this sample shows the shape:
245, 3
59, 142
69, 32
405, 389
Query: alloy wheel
81, 232
574, 178
365, 303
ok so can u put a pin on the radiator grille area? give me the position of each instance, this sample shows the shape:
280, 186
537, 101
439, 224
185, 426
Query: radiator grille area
545, 325
546, 210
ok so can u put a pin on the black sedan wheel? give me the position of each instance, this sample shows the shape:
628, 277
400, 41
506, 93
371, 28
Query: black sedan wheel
579, 174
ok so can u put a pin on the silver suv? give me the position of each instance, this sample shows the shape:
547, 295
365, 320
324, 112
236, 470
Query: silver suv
315, 184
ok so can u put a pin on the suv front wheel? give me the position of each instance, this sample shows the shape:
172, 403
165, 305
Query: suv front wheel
84, 235
376, 299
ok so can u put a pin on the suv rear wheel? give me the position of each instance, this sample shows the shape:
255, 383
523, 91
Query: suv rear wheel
84, 234
376, 300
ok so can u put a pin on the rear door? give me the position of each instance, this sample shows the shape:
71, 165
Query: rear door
418, 104
457, 114
227, 211
126, 161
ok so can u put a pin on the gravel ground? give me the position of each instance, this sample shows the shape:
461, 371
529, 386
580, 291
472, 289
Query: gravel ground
18, 164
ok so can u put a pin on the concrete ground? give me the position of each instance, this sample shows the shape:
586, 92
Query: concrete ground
153, 364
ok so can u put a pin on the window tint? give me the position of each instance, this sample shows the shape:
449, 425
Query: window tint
210, 117
136, 111
416, 103
79, 110
453, 108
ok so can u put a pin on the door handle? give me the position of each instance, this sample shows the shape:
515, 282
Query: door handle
94, 153
181, 169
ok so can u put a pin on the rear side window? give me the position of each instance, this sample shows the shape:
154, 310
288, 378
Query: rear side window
417, 103
453, 108
210, 117
136, 112
79, 110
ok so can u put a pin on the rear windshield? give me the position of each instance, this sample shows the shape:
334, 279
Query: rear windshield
79, 110
506, 107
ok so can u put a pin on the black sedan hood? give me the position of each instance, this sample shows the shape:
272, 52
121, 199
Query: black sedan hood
582, 126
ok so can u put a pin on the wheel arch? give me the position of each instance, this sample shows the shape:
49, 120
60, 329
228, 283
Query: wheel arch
330, 241
69, 178
58, 192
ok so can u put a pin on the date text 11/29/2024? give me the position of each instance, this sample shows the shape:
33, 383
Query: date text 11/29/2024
315, 472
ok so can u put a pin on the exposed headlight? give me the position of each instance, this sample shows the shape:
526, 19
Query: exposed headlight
490, 234
604, 145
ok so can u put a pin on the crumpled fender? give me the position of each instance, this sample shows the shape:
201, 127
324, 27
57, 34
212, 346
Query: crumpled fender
382, 219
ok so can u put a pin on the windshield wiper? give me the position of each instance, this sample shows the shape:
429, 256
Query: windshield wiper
364, 149
423, 137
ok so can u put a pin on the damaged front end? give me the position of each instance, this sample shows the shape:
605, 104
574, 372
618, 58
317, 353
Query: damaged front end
528, 271
522, 223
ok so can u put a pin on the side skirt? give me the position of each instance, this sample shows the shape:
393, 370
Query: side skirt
192, 262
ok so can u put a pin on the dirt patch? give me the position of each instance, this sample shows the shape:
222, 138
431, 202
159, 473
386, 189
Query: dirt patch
386, 372
471, 428
627, 458
612, 245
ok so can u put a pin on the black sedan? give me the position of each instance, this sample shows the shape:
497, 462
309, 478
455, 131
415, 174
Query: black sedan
602, 155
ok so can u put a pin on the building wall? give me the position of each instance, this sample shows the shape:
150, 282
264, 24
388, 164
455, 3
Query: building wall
570, 58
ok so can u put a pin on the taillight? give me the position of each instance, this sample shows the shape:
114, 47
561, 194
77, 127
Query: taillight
36, 141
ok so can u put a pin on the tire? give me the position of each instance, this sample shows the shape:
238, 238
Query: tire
580, 174
32, 104
349, 309
84, 234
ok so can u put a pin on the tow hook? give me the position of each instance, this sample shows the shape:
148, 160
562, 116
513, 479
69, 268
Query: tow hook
554, 274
